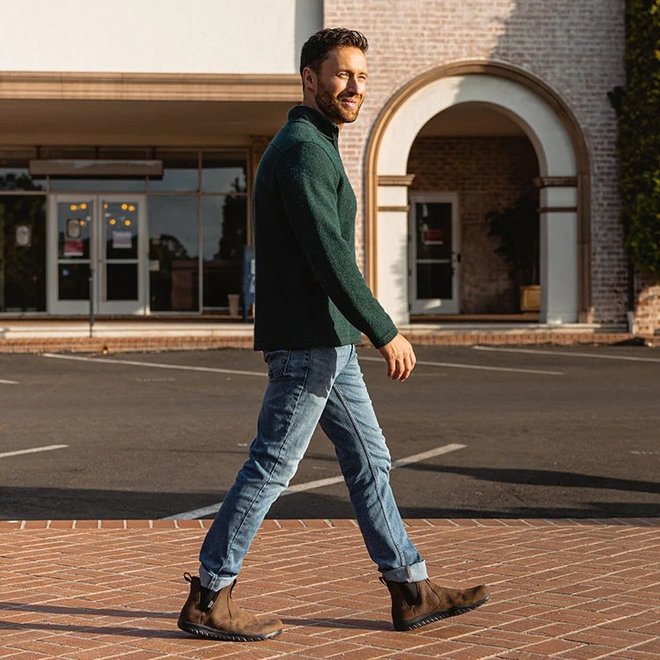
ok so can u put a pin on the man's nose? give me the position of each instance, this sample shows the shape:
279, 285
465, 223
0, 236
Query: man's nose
355, 86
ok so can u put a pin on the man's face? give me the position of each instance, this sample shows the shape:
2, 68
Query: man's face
341, 84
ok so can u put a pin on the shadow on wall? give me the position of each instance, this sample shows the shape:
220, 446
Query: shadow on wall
309, 19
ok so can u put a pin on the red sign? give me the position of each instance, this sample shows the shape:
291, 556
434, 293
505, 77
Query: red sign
73, 247
434, 236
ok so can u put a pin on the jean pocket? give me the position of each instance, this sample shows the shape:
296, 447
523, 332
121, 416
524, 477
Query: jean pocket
277, 363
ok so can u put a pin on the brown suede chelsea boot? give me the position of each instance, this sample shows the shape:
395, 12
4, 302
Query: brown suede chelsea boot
414, 604
214, 615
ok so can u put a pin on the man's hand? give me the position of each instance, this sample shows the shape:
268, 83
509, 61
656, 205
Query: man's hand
400, 358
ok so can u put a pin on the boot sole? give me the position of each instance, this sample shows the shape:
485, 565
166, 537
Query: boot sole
213, 633
437, 616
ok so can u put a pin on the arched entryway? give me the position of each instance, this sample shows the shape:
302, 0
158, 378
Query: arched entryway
563, 180
474, 222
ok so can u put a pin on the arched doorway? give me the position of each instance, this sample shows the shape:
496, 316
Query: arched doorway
474, 223
563, 180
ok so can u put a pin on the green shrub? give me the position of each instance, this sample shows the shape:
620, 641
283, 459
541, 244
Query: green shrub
638, 140
517, 227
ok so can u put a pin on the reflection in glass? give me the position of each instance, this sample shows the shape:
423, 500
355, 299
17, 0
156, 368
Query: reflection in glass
22, 253
434, 281
173, 253
74, 229
16, 178
224, 228
434, 239
120, 223
180, 172
434, 250
121, 282
94, 184
73, 281
224, 172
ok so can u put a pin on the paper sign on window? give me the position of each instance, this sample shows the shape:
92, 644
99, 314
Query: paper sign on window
73, 228
433, 236
73, 247
23, 236
122, 240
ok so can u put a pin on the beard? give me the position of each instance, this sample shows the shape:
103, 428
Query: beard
333, 108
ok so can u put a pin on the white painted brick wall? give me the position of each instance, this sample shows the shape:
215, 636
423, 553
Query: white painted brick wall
575, 47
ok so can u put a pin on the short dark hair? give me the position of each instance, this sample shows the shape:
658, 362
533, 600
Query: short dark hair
317, 47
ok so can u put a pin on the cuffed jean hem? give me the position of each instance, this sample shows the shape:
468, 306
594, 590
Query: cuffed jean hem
210, 581
413, 573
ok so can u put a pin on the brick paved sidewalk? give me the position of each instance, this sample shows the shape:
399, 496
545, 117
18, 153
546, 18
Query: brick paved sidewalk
570, 589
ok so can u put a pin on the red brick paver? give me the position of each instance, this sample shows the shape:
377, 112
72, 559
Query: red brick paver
110, 589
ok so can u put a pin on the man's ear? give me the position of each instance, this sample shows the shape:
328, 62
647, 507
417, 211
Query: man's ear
309, 79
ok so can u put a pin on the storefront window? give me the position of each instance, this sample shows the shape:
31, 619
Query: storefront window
22, 253
224, 172
224, 221
196, 218
93, 184
180, 172
14, 173
173, 253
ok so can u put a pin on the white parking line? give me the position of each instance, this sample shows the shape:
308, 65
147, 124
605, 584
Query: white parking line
320, 483
241, 372
529, 351
8, 382
33, 450
155, 365
457, 365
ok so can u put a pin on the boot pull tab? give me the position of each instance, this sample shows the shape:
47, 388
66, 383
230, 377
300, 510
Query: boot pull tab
187, 577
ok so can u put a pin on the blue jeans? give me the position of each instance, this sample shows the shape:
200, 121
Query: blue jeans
307, 387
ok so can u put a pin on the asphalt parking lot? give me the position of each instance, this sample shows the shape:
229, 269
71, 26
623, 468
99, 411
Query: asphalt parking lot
476, 432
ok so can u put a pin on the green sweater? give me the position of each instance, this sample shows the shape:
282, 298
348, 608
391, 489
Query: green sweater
309, 291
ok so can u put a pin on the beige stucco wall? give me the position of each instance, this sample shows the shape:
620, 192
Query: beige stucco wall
156, 36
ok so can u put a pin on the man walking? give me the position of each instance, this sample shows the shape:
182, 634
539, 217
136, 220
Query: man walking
312, 303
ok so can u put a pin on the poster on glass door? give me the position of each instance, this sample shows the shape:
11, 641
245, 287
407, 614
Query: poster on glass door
73, 244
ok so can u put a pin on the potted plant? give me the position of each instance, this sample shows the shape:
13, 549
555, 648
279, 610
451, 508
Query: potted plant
517, 227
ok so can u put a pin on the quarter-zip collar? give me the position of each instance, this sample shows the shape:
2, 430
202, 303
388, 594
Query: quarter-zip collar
320, 121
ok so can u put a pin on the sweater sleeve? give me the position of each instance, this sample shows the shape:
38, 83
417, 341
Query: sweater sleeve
308, 180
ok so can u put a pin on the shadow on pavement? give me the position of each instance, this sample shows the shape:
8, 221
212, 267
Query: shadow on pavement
83, 504
359, 624
92, 611
544, 478
95, 630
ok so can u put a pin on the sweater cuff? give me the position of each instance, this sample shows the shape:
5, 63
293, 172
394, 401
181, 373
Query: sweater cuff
380, 340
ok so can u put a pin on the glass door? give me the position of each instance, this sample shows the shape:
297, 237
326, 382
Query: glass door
120, 269
97, 253
434, 256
